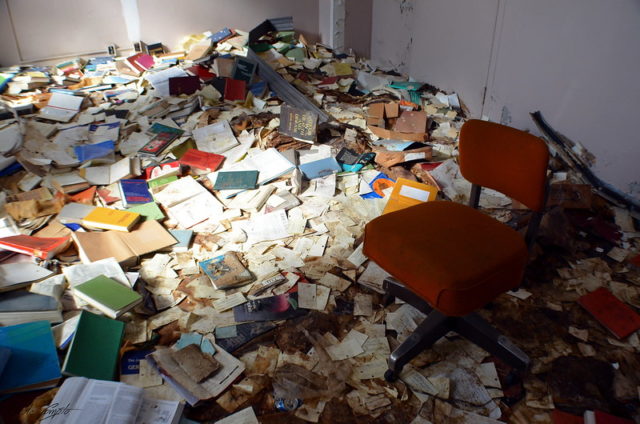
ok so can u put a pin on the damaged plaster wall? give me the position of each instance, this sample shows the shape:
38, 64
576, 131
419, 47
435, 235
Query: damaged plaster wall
37, 30
575, 61
392, 33
346, 25
338, 14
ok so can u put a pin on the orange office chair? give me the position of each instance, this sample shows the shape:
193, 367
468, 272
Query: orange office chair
448, 259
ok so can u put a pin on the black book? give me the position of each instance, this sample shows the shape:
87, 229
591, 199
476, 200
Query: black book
284, 306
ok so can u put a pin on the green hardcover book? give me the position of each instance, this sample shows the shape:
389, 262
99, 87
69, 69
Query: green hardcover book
148, 211
108, 295
236, 180
93, 352
160, 181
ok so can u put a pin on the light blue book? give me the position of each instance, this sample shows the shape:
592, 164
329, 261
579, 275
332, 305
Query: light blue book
320, 168
183, 237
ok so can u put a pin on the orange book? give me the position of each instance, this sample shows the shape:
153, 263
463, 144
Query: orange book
409, 193
41, 247
111, 219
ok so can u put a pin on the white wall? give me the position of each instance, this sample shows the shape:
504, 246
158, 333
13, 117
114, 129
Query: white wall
392, 33
170, 20
453, 50
577, 61
34, 30
358, 26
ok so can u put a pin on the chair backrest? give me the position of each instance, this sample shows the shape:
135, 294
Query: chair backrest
505, 159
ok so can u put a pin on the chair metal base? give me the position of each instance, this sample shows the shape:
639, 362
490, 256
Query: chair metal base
436, 325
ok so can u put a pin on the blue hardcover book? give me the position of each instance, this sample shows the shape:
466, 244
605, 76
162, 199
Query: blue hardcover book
5, 354
130, 365
320, 168
258, 89
33, 363
85, 152
220, 35
5, 79
378, 184
134, 192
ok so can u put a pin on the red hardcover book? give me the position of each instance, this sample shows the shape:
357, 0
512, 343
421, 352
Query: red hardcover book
614, 314
183, 85
144, 61
235, 89
201, 160
201, 72
109, 194
599, 417
131, 61
164, 168
328, 81
430, 166
41, 247
559, 417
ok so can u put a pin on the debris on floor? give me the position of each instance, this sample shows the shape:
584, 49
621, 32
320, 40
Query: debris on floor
199, 215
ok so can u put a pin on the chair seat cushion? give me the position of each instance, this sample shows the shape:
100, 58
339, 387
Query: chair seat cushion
455, 257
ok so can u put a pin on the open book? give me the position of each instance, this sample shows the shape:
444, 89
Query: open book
125, 247
83, 400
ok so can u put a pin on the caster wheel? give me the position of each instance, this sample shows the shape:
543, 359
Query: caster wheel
390, 376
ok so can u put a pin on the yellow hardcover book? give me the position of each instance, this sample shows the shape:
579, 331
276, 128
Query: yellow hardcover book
409, 193
111, 219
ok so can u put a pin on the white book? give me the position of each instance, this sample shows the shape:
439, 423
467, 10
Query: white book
66, 179
191, 391
215, 138
74, 213
16, 275
62, 107
196, 209
80, 273
178, 191
82, 400
109, 174
270, 163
